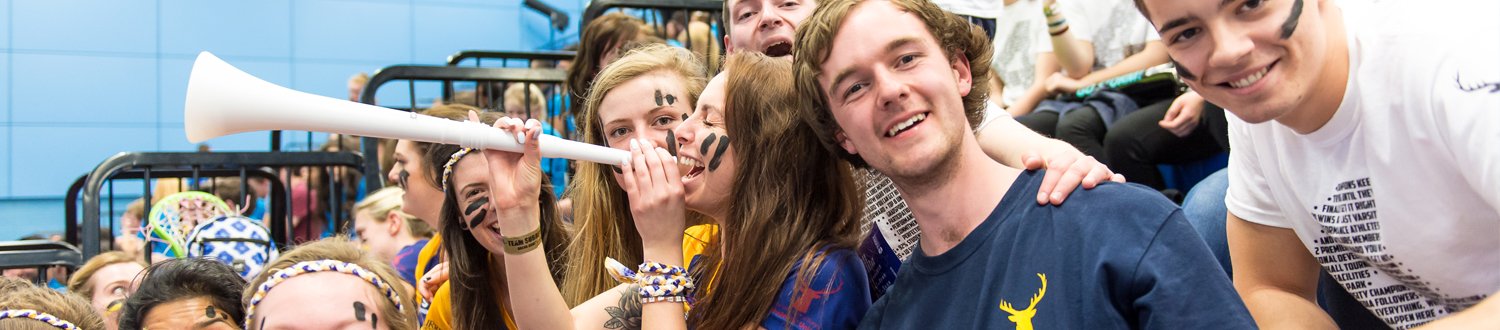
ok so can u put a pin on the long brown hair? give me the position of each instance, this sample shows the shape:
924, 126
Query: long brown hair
477, 277
791, 200
608, 32
602, 221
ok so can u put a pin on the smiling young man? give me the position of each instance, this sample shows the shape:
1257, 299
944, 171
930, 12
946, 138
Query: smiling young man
895, 86
1362, 142
769, 27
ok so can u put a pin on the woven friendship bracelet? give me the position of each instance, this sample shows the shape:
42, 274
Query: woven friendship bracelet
315, 266
658, 282
524, 243
448, 167
661, 268
39, 316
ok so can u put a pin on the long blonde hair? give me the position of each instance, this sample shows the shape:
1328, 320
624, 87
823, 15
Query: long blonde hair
602, 221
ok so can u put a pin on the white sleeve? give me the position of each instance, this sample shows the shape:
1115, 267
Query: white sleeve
1466, 113
1249, 196
1080, 23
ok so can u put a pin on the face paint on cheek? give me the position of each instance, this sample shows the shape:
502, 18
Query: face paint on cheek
671, 143
374, 321
707, 142
1291, 20
402, 178
476, 206
1183, 71
719, 154
359, 311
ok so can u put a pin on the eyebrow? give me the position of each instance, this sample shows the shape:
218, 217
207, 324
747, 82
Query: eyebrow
208, 322
1179, 22
889, 47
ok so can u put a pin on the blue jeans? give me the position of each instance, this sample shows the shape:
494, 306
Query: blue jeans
1205, 210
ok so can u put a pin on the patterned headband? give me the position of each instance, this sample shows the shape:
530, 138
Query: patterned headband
315, 266
39, 316
448, 167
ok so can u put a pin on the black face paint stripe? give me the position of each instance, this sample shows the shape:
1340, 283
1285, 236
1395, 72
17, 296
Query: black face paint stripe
1183, 71
658, 98
359, 311
707, 142
719, 154
262, 323
474, 222
1291, 21
374, 320
671, 143
209, 312
671, 99
684, 116
402, 178
477, 204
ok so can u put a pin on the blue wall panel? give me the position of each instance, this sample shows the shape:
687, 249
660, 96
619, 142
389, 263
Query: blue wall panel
96, 78
174, 138
76, 25
226, 28
83, 89
5, 26
484, 25
48, 159
331, 29
5, 162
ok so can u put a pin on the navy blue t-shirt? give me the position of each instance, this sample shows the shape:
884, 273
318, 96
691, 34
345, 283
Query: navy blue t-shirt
1114, 257
836, 297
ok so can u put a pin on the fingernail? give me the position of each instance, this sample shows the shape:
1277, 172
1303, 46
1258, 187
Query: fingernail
1041, 196
1057, 196
521, 138
635, 145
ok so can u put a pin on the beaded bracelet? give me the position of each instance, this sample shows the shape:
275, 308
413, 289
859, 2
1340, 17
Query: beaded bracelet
39, 316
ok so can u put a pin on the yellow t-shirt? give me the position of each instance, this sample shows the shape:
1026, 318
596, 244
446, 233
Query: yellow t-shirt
440, 314
695, 239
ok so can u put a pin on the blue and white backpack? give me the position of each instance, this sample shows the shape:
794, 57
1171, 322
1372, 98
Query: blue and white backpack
242, 243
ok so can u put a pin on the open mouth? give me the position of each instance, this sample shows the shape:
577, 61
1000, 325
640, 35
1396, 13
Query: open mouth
906, 125
779, 49
691, 168
1250, 80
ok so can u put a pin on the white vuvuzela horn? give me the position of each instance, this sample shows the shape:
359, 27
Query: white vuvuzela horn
223, 100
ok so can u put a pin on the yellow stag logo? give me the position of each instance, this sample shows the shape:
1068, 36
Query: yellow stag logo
1022, 318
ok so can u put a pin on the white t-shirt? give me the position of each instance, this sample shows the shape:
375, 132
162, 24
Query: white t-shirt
1020, 34
976, 8
1397, 195
1115, 28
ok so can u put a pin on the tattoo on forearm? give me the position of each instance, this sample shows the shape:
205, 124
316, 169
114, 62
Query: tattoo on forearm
627, 315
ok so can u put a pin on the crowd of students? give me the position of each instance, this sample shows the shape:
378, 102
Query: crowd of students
758, 192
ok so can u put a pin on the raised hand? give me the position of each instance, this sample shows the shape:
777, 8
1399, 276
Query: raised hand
654, 186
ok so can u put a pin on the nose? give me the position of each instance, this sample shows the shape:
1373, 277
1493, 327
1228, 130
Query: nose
770, 19
391, 177
891, 93
684, 133
1232, 47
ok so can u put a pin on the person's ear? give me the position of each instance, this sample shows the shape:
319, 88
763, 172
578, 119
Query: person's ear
394, 222
728, 47
845, 143
961, 73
